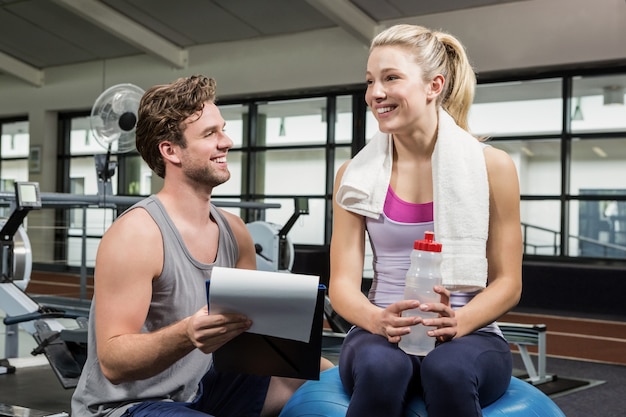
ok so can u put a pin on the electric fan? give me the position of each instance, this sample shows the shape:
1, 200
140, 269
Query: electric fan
113, 120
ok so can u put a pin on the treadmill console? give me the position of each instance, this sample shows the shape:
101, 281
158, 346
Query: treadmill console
27, 195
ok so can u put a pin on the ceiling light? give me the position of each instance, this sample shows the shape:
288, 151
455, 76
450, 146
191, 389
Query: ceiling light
613, 95
599, 151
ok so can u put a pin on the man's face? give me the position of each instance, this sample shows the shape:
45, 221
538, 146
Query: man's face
203, 160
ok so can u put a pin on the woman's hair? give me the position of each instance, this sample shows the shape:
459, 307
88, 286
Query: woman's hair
162, 112
437, 53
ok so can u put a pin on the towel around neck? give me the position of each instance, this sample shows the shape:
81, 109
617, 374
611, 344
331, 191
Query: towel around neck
460, 194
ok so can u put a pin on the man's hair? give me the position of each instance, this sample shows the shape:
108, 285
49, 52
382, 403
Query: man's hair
162, 112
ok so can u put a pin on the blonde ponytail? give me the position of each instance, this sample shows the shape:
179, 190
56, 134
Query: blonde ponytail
461, 81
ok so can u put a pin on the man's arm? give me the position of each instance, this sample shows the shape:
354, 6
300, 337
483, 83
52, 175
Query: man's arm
129, 257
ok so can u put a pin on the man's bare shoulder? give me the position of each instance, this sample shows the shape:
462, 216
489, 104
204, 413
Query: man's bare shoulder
232, 219
132, 243
236, 224
136, 223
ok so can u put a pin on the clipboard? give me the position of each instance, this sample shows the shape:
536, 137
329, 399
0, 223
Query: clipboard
257, 354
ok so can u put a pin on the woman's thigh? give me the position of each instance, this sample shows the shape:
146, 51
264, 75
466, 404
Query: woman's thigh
371, 357
479, 364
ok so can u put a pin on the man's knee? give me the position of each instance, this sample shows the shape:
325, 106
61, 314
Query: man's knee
279, 392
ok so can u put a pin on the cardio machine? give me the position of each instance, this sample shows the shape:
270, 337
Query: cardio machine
65, 348
274, 249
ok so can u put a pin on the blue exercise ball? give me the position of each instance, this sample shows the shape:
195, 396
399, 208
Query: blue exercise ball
327, 398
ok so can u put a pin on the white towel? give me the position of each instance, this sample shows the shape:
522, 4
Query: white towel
364, 183
461, 204
461, 197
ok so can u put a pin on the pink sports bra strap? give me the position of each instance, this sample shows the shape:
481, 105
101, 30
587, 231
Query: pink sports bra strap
400, 211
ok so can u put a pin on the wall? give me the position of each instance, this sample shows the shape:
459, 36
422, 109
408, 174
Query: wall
574, 288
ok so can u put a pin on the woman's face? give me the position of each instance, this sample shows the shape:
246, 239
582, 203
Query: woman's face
396, 93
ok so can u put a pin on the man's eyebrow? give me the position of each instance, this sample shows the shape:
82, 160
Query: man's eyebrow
212, 127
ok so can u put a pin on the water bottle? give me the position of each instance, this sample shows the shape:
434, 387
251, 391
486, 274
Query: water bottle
423, 274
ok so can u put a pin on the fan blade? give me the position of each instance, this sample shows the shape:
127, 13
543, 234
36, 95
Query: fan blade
114, 117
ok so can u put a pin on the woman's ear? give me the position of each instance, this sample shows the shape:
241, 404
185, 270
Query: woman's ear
436, 86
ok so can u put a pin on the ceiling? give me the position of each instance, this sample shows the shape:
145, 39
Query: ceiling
38, 34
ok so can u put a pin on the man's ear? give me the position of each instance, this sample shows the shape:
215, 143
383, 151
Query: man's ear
436, 86
169, 152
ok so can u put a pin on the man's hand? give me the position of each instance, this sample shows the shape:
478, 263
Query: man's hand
208, 332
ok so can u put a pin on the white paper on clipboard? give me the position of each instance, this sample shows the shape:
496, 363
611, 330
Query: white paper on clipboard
279, 304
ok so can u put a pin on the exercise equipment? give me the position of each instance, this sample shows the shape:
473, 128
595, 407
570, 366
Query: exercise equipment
62, 347
17, 263
15, 251
274, 249
327, 398
523, 335
22, 257
15, 257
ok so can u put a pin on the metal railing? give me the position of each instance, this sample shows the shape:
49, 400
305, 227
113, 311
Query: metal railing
553, 243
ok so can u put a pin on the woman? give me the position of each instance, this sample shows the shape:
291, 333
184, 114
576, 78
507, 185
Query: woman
425, 171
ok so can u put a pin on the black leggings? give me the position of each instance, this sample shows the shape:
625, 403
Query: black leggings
457, 378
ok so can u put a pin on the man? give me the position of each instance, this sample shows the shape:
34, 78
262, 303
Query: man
150, 335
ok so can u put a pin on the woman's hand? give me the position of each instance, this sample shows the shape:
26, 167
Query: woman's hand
392, 325
446, 324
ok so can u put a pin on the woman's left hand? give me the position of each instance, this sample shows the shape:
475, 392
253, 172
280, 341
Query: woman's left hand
446, 325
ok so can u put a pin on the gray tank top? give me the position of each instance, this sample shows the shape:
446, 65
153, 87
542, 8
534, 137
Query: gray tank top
177, 293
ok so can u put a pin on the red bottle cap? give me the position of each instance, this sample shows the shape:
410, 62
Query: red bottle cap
428, 244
